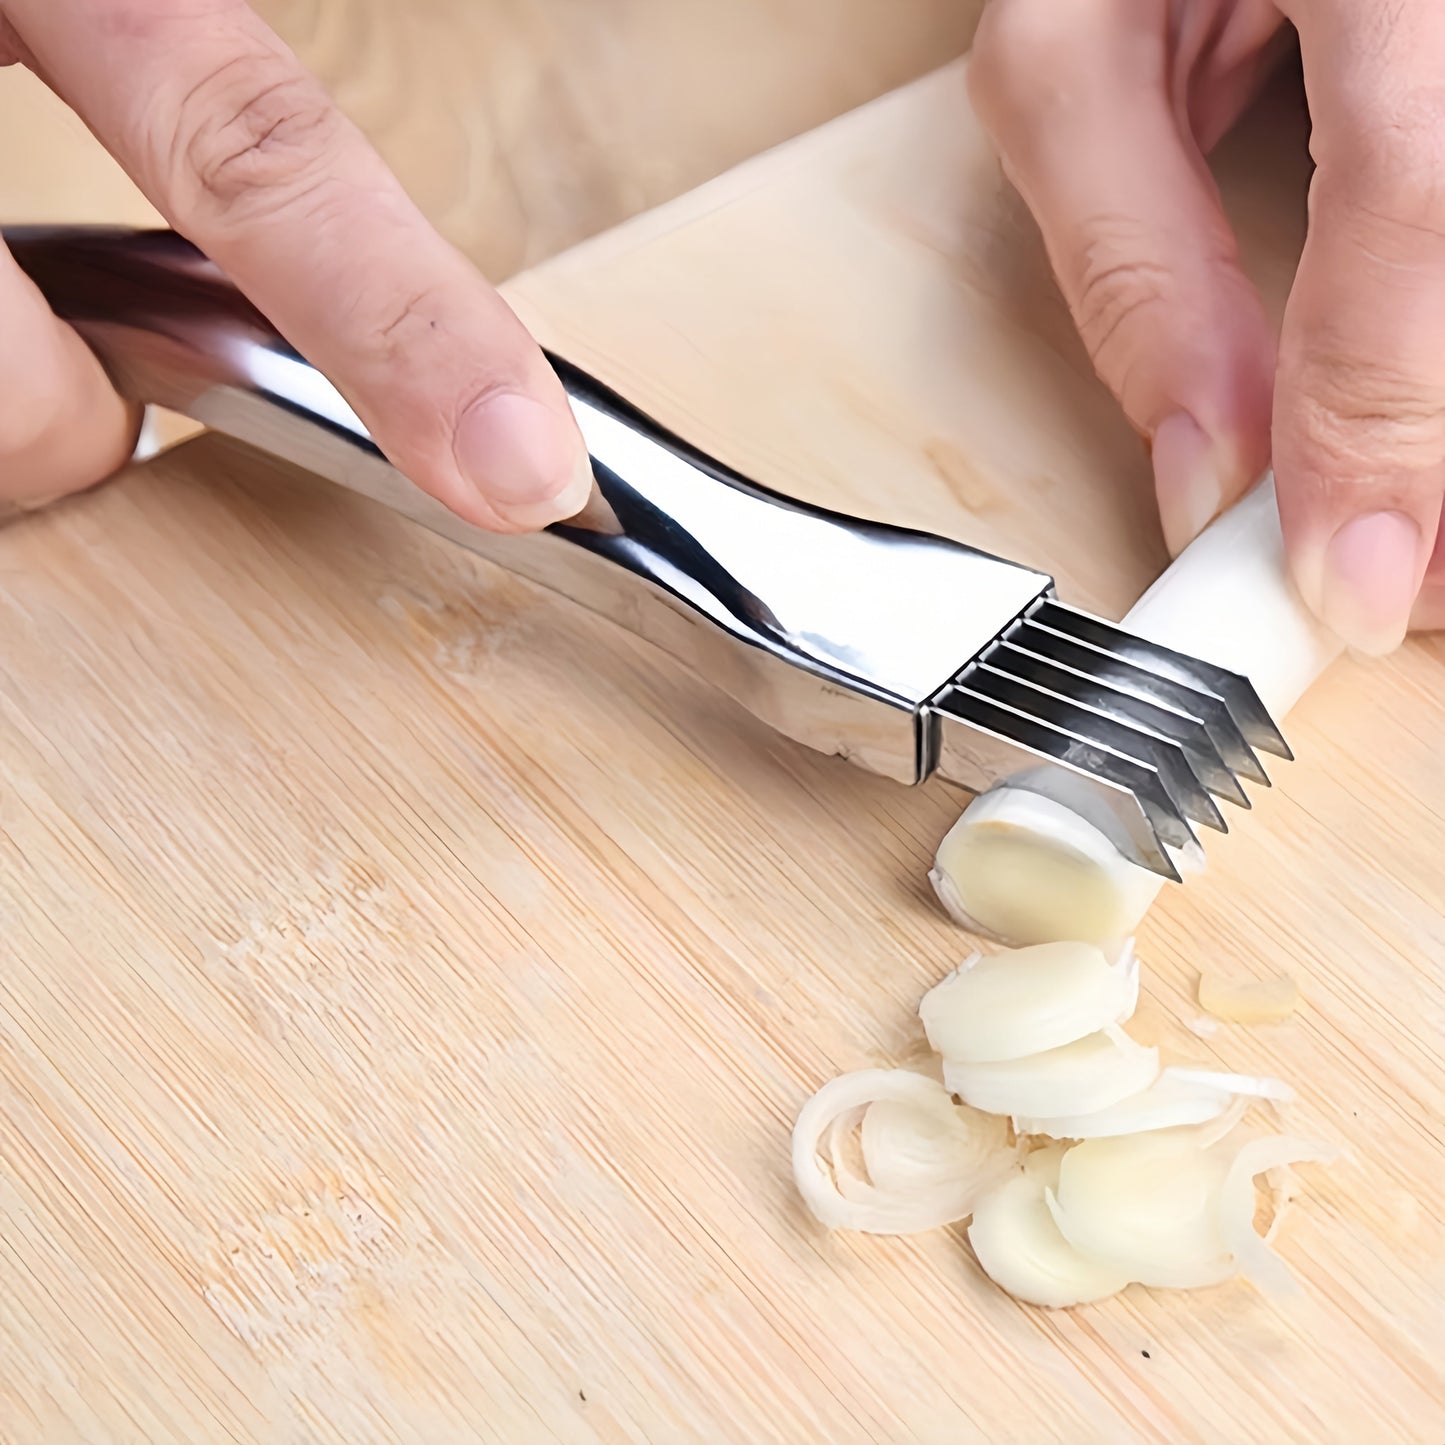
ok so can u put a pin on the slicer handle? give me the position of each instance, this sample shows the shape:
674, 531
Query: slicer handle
834, 630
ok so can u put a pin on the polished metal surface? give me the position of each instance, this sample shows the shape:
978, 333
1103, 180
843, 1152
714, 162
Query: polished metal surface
909, 654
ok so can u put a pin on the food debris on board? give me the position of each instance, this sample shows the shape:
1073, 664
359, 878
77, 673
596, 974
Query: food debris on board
1084, 1162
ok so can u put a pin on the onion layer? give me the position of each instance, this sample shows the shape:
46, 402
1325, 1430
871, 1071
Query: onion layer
1026, 1001
1255, 1259
1176, 1098
1090, 1073
925, 1159
1020, 1248
1148, 1205
1248, 1000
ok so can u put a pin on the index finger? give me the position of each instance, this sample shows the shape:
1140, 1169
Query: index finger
245, 153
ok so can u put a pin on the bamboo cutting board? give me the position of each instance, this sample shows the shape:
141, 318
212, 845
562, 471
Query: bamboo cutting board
410, 981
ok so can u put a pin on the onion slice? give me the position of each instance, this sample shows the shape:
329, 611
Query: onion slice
1168, 1103
1248, 1000
1253, 1255
926, 1159
1091, 1073
1148, 1205
1024, 1001
1255, 1086
1021, 1249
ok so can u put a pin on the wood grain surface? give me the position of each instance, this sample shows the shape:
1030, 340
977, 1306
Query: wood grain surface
523, 126
410, 981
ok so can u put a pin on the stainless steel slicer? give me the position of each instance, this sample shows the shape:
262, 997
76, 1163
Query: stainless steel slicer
911, 655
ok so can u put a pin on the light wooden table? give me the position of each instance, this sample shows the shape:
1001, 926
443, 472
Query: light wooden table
523, 126
410, 982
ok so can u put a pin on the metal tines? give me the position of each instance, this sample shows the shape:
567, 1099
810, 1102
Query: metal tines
1169, 736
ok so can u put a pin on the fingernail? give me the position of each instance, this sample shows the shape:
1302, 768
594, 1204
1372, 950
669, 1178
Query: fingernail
1186, 478
1372, 570
524, 459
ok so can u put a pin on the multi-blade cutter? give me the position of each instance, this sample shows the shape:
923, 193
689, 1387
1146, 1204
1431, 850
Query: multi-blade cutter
910, 654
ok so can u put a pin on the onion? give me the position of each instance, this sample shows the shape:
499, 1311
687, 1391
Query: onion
931, 1158
1026, 869
1025, 1001
1253, 1255
1148, 1205
1091, 1073
1255, 1086
1020, 1248
1170, 1102
1248, 1000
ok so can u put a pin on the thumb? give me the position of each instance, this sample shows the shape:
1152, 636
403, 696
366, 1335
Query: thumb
1360, 421
247, 156
1145, 257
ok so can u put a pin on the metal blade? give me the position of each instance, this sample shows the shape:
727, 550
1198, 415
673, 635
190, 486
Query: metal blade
1179, 727
1211, 710
1237, 691
1189, 796
977, 741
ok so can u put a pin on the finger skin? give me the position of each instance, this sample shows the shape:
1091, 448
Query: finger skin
1077, 99
1359, 427
246, 155
62, 426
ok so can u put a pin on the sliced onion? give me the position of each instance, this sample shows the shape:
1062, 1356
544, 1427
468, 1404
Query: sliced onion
1023, 868
1090, 1073
1248, 1000
1168, 1103
1020, 1248
908, 1148
1177, 1098
1256, 1086
933, 1157
1148, 1205
1025, 1001
1256, 1260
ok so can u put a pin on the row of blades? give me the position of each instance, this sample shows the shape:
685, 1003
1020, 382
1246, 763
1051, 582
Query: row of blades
1177, 733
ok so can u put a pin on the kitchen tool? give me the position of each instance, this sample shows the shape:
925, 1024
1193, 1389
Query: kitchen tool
912, 655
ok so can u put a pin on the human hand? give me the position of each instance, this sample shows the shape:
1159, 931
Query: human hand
243, 152
1103, 114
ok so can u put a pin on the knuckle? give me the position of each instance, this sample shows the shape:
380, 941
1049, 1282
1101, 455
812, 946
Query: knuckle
1361, 419
256, 131
1115, 282
1388, 163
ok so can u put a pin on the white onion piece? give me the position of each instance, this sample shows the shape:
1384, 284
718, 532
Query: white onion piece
1168, 1103
1025, 1001
1090, 1073
1026, 869
1020, 1248
1256, 1086
1248, 1000
908, 1148
934, 1156
1253, 1255
1023, 869
1148, 1205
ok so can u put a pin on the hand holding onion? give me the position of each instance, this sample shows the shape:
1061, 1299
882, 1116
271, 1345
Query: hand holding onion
1104, 115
